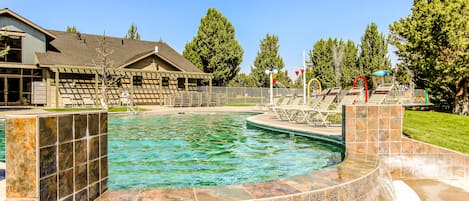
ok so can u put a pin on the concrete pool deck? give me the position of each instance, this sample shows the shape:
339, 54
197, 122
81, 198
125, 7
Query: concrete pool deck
302, 186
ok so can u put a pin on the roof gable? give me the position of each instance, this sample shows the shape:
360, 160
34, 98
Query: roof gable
7, 11
75, 49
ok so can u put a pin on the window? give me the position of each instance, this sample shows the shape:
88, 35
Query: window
137, 80
14, 54
182, 83
165, 81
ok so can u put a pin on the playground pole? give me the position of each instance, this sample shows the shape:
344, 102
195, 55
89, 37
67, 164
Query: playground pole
304, 77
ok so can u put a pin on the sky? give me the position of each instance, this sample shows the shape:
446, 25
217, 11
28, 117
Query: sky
297, 23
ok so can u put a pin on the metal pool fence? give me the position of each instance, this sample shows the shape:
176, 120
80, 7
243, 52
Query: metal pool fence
259, 96
250, 95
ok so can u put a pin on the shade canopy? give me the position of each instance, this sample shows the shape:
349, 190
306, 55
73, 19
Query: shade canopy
382, 73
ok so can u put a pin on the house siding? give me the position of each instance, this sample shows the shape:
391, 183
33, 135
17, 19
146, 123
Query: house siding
34, 40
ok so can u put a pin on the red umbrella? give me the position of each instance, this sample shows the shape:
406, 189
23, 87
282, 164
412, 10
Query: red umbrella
297, 72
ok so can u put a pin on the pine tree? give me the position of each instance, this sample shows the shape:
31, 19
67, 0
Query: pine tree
373, 52
349, 68
132, 33
321, 59
71, 29
432, 42
266, 59
214, 49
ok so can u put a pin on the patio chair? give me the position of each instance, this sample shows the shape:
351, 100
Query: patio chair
350, 98
310, 113
280, 111
380, 93
294, 114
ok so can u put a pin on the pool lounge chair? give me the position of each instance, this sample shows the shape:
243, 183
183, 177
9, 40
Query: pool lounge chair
380, 93
310, 113
294, 114
350, 98
280, 111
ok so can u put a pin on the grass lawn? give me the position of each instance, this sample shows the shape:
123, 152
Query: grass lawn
442, 129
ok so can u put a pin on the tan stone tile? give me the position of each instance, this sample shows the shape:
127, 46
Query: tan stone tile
458, 171
361, 136
21, 135
396, 123
373, 123
222, 193
384, 111
350, 112
350, 135
372, 135
362, 124
185, 194
269, 189
397, 111
396, 134
361, 111
457, 160
407, 147
395, 147
384, 123
384, 135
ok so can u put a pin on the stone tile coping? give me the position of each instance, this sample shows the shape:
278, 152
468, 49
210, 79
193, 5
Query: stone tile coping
331, 182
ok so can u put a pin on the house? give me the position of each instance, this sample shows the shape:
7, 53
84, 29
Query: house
57, 69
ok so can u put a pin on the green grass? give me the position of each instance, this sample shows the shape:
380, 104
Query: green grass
441, 129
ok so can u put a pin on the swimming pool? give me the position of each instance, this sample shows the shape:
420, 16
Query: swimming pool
199, 150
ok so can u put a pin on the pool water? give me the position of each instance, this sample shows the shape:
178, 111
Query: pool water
200, 150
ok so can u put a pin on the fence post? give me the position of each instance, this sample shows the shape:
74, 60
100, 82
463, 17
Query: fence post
244, 94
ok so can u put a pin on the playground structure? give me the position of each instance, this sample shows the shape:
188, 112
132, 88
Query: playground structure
365, 83
318, 90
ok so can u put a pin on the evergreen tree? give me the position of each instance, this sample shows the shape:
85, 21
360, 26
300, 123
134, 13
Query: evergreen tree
132, 33
214, 49
373, 52
71, 29
432, 42
267, 58
242, 80
321, 59
349, 68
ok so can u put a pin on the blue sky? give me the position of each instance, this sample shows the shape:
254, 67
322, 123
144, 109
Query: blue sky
297, 23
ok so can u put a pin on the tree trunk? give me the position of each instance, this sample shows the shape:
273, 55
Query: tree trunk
461, 104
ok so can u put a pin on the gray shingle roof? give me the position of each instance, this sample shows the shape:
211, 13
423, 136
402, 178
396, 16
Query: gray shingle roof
80, 50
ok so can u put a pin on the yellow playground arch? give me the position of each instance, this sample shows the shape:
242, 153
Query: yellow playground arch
318, 91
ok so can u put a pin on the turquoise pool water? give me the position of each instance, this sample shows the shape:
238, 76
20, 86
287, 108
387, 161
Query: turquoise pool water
199, 150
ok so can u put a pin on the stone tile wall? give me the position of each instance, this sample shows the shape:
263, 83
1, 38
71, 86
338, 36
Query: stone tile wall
378, 129
56, 156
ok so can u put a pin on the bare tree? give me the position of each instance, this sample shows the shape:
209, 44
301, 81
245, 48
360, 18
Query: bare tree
103, 64
337, 61
4, 52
